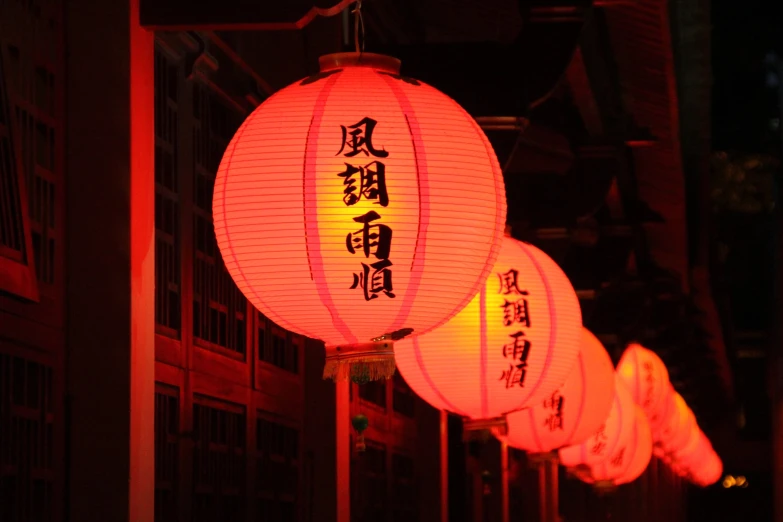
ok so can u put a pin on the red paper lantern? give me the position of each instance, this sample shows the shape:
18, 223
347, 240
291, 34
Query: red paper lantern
676, 427
358, 206
629, 459
709, 472
686, 429
647, 379
608, 437
574, 411
511, 347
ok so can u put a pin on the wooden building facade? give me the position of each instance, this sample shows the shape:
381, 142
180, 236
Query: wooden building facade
121, 332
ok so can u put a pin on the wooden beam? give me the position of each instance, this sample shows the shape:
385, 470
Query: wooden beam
235, 15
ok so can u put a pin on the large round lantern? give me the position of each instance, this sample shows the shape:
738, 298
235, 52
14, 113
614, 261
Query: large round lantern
629, 459
647, 379
511, 347
574, 411
608, 437
358, 206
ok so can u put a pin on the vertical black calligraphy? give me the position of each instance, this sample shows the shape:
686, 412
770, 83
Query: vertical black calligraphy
516, 314
366, 181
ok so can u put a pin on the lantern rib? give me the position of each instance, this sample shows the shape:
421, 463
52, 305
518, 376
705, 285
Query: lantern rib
483, 351
534, 431
552, 319
581, 363
420, 162
423, 368
309, 173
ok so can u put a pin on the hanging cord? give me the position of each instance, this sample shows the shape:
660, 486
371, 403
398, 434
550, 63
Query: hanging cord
358, 24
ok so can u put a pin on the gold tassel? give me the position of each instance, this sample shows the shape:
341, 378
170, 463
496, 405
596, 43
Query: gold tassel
363, 367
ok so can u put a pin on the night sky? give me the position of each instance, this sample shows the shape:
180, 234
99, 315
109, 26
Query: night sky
744, 32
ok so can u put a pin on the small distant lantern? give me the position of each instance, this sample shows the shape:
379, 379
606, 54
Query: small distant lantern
574, 411
677, 430
629, 459
358, 206
709, 471
608, 437
510, 348
647, 379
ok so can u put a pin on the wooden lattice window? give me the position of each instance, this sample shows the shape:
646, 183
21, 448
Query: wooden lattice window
31, 40
219, 455
277, 346
277, 469
166, 453
16, 253
219, 308
403, 488
26, 440
167, 208
374, 392
403, 398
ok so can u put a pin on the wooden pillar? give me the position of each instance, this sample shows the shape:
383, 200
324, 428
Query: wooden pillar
444, 466
548, 491
343, 450
504, 513
110, 206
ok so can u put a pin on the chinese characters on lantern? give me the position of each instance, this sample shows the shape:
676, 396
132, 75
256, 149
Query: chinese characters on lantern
599, 445
555, 404
617, 461
366, 180
516, 316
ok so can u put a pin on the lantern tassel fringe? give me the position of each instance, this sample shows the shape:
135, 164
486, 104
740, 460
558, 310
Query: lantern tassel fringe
358, 369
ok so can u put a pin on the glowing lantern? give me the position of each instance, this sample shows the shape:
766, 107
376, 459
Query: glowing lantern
709, 472
358, 206
647, 379
686, 429
608, 437
667, 410
675, 429
511, 347
630, 458
574, 411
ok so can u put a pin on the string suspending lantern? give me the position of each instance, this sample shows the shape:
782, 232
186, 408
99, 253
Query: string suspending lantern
574, 411
359, 206
610, 435
511, 347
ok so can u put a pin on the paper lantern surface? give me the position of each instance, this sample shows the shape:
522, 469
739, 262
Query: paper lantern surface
511, 347
601, 444
675, 428
629, 459
574, 411
647, 379
709, 472
358, 205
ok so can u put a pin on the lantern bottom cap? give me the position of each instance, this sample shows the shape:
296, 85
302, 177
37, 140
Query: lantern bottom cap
604, 486
362, 362
542, 457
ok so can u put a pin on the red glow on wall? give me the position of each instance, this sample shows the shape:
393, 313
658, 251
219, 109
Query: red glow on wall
357, 202
511, 347
574, 411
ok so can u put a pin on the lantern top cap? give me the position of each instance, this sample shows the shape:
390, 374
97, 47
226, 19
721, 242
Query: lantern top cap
380, 62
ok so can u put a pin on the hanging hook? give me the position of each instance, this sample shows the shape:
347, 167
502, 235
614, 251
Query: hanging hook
358, 24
